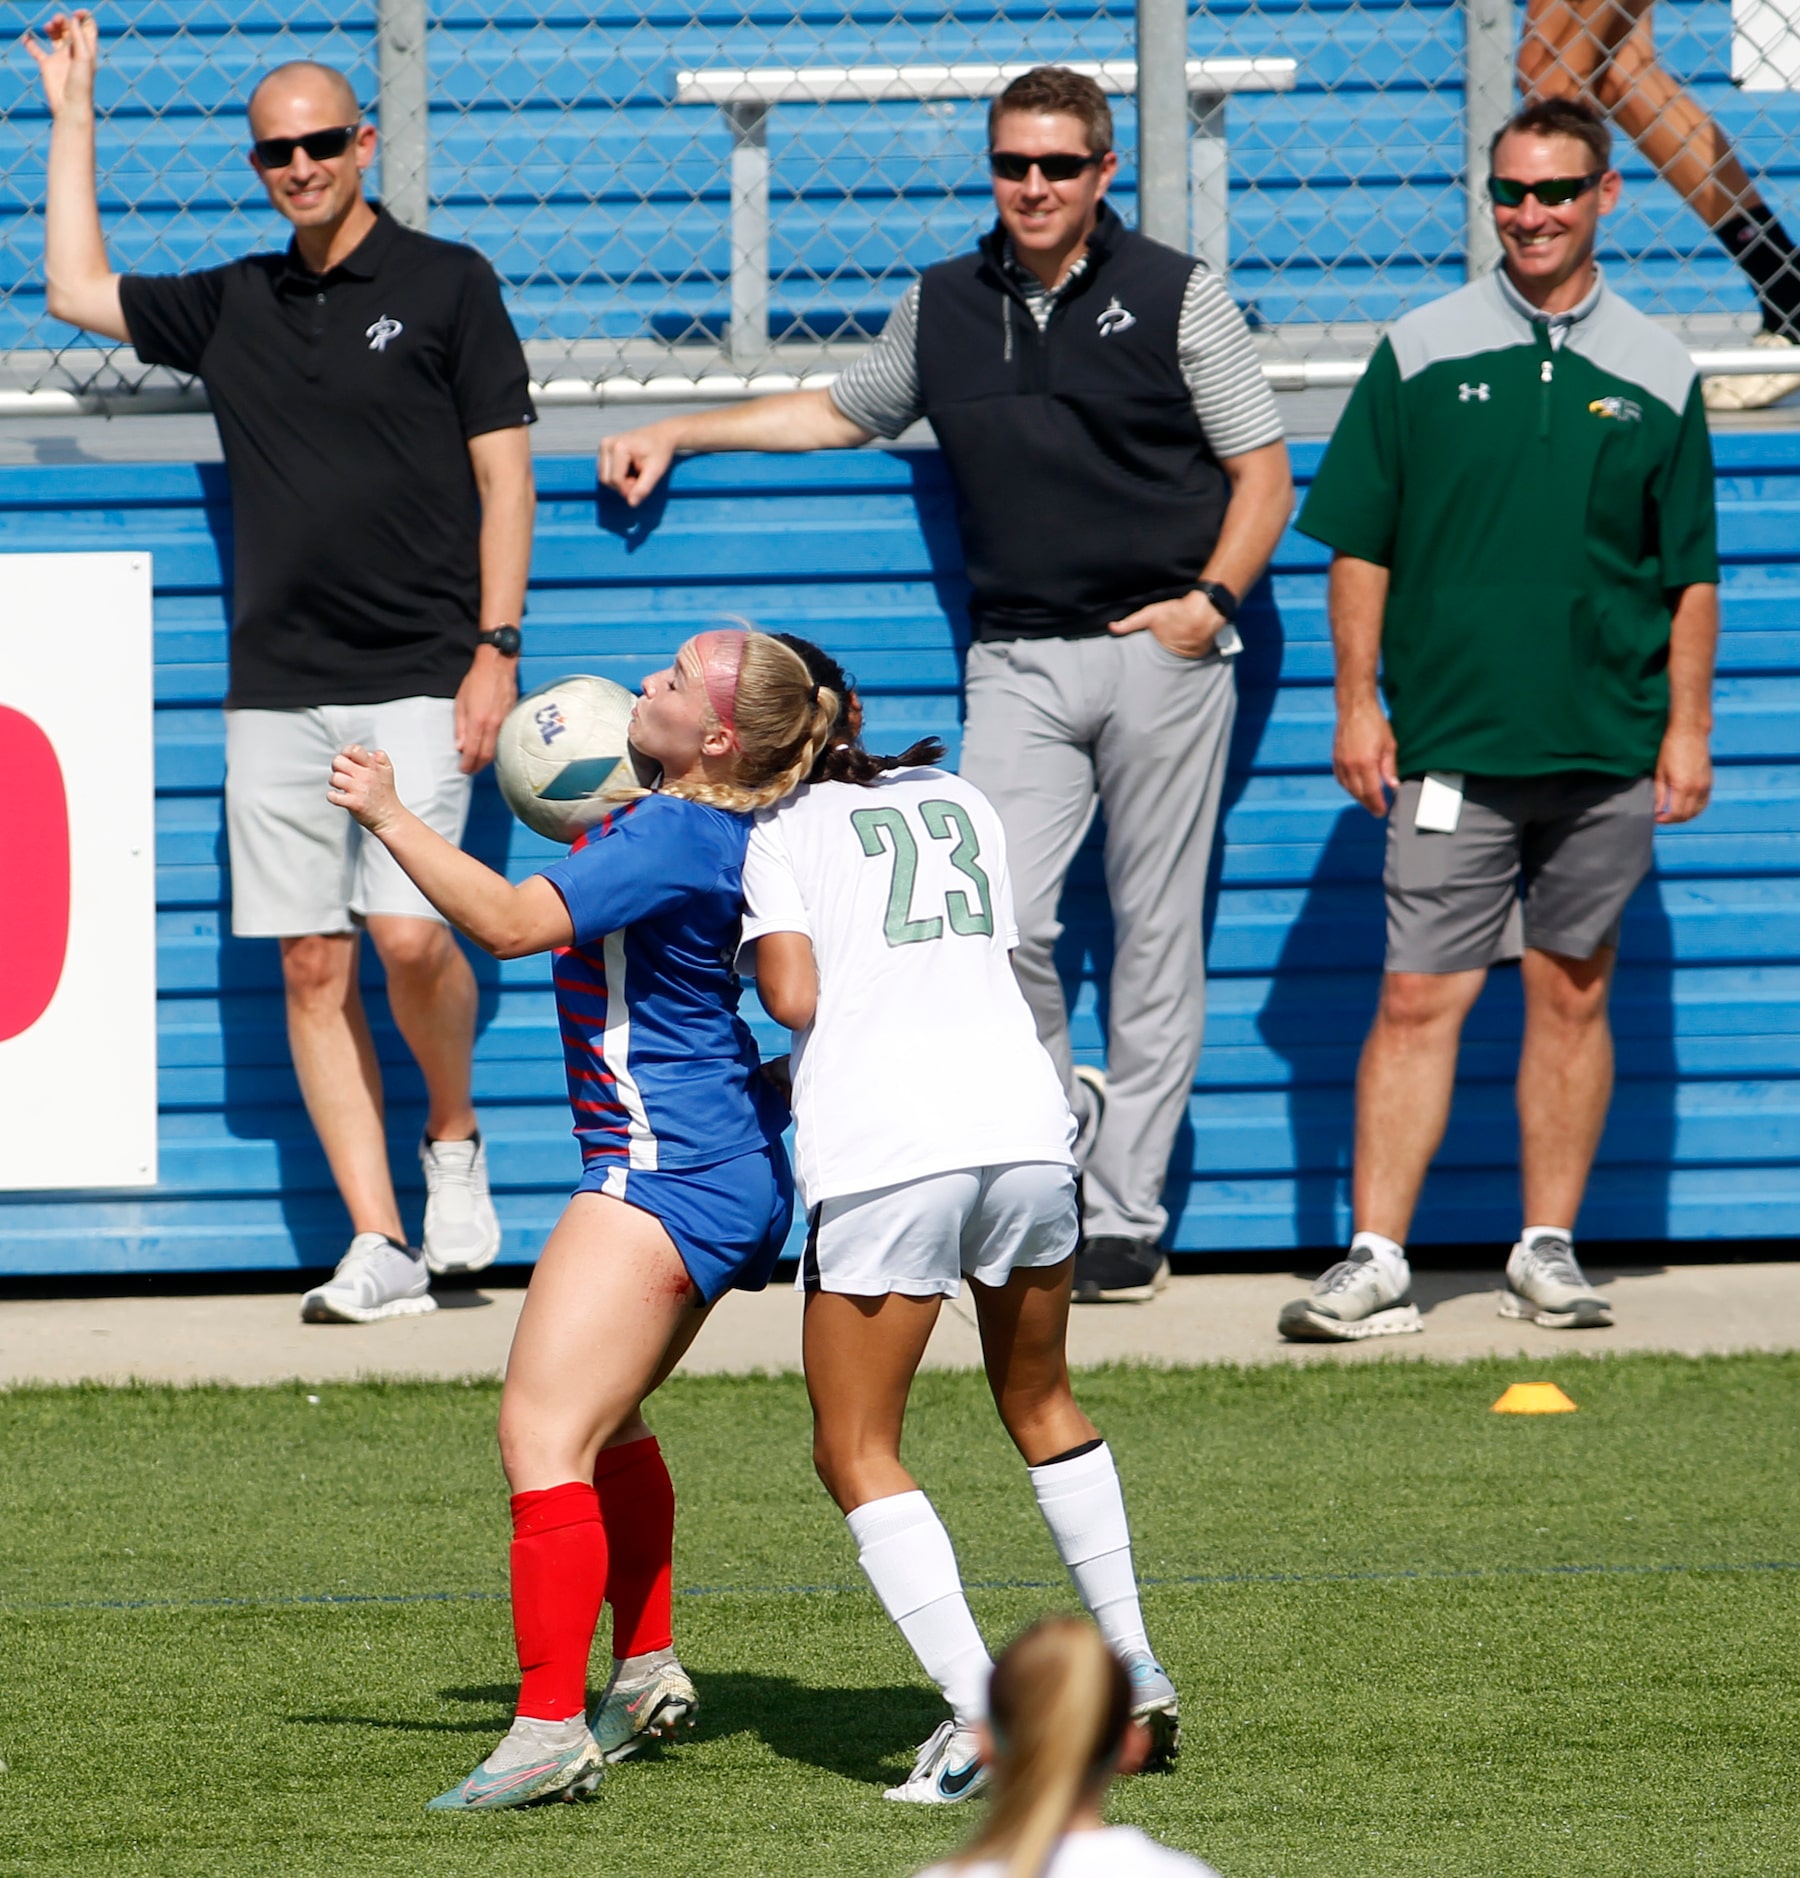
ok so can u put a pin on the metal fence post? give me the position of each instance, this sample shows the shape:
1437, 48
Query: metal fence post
749, 334
1162, 120
404, 111
1209, 176
1487, 104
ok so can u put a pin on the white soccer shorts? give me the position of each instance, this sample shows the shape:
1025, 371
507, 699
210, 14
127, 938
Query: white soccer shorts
923, 1237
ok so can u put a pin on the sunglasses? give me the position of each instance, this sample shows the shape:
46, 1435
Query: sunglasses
1058, 167
276, 153
1553, 192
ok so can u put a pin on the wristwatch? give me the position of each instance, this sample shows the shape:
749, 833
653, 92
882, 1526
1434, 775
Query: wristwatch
1221, 596
505, 640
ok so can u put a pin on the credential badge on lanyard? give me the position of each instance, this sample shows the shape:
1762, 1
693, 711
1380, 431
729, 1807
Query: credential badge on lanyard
1440, 802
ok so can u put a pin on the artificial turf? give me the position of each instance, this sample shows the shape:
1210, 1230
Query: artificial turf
247, 1632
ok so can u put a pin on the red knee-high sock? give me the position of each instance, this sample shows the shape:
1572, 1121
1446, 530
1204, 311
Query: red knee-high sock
558, 1581
637, 1504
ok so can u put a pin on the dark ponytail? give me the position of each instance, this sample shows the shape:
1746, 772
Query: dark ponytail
843, 758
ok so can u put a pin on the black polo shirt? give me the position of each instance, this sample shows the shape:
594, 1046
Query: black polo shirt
345, 403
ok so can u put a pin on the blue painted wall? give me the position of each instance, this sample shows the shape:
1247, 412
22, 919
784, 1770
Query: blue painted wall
557, 149
859, 551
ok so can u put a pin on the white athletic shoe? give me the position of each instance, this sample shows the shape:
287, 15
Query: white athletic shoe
1753, 391
1545, 1286
949, 1768
1155, 1704
462, 1233
374, 1279
1360, 1296
631, 1713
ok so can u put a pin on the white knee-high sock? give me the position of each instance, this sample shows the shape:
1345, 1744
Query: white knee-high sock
1085, 1511
902, 1546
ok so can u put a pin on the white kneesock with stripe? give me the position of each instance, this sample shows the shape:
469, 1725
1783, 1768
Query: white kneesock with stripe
1085, 1511
906, 1554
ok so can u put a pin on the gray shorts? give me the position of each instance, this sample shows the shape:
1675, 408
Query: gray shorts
300, 866
1541, 861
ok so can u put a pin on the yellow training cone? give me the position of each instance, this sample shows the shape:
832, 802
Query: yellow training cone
1533, 1398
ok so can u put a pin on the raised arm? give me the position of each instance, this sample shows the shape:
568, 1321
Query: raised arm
635, 461
510, 922
501, 460
81, 286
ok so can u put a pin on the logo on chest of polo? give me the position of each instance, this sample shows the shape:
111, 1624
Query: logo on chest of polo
1115, 319
1473, 394
1621, 408
382, 332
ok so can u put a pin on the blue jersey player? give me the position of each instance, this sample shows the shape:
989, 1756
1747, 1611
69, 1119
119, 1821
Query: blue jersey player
685, 1190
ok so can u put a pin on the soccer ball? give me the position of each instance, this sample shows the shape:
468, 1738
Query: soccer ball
562, 758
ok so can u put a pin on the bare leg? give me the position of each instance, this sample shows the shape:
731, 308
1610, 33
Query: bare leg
431, 991
608, 1301
1403, 1089
1565, 1080
1024, 1326
861, 1355
340, 1079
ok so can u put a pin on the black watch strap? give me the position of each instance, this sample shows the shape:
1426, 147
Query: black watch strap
504, 639
1221, 596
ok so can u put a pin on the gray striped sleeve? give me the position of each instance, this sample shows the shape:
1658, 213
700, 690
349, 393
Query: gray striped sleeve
881, 390
1224, 377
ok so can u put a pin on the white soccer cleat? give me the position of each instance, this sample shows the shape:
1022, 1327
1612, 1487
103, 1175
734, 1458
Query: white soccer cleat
374, 1279
949, 1768
1155, 1704
1545, 1286
630, 1713
462, 1232
1754, 391
1360, 1296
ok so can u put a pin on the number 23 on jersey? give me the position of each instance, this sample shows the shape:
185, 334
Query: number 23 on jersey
886, 831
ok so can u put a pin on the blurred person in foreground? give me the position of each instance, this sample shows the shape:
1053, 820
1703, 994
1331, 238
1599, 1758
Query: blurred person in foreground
1059, 1732
1121, 484
371, 397
1519, 497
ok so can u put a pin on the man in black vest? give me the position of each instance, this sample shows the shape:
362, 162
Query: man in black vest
1122, 481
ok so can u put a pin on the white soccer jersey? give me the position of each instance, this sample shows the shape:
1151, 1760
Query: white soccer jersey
1113, 1852
922, 1056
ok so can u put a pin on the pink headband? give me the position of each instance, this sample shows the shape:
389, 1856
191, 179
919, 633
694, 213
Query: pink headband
721, 655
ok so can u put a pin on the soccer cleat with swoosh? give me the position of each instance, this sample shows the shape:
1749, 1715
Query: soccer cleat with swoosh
550, 1774
949, 1768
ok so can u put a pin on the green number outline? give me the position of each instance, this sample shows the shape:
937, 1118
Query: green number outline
897, 928
942, 820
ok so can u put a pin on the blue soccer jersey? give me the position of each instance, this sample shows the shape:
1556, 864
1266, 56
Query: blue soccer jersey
662, 1070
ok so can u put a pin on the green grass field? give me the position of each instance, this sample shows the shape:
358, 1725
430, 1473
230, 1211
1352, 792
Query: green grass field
241, 1632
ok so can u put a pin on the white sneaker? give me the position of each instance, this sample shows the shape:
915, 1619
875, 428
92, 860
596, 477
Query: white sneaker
949, 1768
462, 1233
1545, 1286
1753, 391
374, 1279
1360, 1296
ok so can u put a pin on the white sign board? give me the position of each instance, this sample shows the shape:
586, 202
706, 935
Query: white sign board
77, 873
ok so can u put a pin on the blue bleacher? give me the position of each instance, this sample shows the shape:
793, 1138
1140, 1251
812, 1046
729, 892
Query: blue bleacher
557, 150
859, 551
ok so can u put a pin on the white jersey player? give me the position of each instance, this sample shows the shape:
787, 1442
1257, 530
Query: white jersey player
933, 1144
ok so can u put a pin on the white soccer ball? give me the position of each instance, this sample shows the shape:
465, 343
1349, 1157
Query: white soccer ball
562, 758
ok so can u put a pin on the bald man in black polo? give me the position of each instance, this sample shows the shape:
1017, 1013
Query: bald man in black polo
372, 398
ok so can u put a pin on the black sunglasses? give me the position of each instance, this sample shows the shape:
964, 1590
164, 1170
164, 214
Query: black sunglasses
276, 153
1057, 167
1552, 192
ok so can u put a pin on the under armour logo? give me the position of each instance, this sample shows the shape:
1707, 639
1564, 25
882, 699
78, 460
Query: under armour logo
382, 331
1115, 319
1466, 391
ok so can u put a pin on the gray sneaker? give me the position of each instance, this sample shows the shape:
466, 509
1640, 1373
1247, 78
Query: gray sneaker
1360, 1296
1155, 1704
462, 1233
374, 1279
1545, 1286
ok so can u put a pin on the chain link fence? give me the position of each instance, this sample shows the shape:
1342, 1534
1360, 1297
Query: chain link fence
687, 192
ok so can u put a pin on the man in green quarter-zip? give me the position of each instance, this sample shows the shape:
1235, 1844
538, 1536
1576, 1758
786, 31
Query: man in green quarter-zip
1519, 498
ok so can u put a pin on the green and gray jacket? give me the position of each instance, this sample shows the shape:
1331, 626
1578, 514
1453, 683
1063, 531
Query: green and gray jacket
1540, 489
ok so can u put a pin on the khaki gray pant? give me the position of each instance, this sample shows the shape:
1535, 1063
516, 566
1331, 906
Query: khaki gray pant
1053, 728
